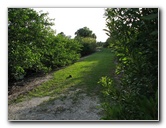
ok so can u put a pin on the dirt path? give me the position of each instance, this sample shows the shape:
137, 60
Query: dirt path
75, 105
27, 85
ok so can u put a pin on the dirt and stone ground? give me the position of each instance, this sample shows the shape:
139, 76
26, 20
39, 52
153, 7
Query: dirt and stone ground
74, 105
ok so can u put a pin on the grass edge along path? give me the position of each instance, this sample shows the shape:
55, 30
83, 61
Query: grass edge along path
82, 74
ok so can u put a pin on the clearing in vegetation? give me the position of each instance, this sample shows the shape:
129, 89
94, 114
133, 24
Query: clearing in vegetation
72, 93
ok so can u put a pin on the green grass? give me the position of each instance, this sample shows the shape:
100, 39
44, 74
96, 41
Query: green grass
85, 74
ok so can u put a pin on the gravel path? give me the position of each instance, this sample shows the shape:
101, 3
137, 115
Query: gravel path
75, 105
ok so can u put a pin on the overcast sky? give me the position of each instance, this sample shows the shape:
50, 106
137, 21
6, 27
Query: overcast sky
69, 20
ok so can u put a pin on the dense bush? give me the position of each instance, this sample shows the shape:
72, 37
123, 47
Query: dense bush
107, 43
88, 45
33, 46
87, 39
134, 96
63, 51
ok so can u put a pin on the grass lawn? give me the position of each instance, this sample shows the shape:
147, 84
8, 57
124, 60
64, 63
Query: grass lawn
85, 74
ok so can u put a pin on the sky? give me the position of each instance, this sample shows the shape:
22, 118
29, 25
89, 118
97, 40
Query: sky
69, 20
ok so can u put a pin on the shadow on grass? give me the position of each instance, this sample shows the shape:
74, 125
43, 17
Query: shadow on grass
83, 74
103, 66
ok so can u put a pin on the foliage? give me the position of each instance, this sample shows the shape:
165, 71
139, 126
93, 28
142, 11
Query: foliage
33, 46
88, 40
85, 32
85, 74
100, 44
107, 43
88, 45
134, 35
60, 52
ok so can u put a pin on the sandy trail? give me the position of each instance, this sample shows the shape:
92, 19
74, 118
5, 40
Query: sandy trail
75, 105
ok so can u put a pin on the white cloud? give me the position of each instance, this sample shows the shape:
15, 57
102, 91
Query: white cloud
69, 20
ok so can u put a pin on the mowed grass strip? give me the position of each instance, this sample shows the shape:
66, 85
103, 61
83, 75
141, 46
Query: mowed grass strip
82, 74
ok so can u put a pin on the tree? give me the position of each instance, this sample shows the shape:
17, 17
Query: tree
85, 32
107, 43
33, 46
28, 32
61, 33
134, 32
88, 39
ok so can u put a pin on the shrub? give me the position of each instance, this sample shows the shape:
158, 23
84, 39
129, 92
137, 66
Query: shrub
135, 35
33, 46
88, 45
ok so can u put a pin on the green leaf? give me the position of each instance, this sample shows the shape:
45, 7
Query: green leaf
154, 33
150, 17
